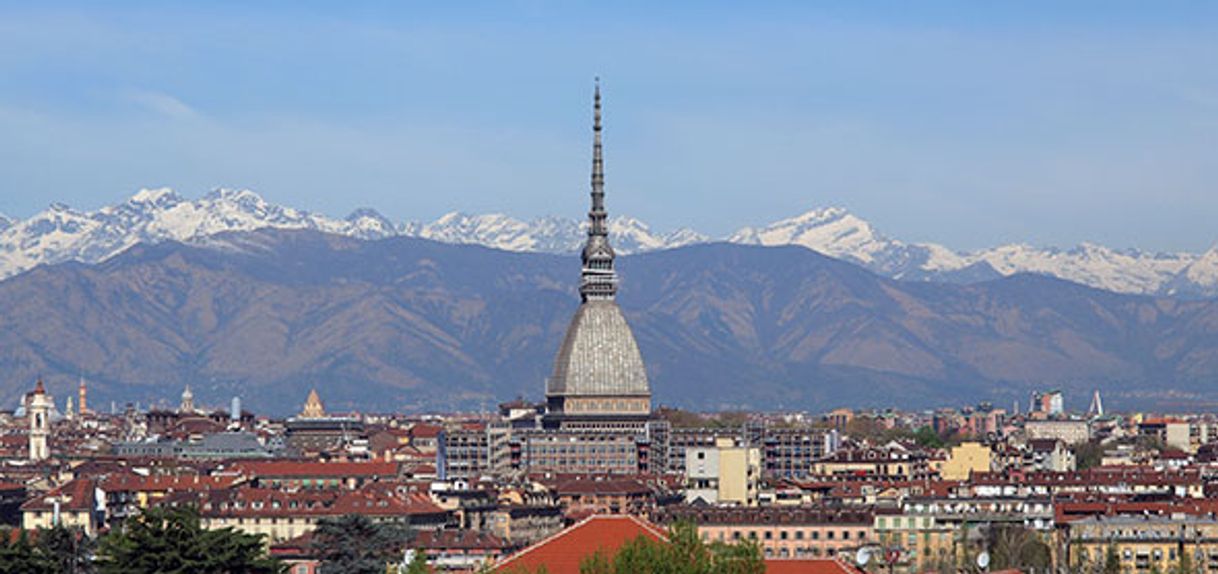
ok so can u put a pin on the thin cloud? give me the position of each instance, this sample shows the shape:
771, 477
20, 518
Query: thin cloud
162, 104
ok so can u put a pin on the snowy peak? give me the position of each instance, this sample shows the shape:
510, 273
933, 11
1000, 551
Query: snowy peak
832, 231
61, 233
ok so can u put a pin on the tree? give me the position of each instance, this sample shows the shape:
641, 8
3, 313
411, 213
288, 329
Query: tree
162, 540
1018, 547
683, 553
1184, 565
1112, 561
927, 437
19, 554
1088, 454
418, 562
69, 548
597, 563
355, 544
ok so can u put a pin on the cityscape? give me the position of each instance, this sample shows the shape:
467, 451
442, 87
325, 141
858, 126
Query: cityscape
226, 385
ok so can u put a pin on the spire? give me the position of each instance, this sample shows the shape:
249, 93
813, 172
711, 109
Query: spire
597, 215
598, 281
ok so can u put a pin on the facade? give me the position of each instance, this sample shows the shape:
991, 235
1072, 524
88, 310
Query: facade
965, 459
1068, 431
781, 532
73, 505
723, 474
1144, 543
584, 452
919, 542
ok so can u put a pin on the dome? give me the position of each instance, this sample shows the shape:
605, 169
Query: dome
599, 356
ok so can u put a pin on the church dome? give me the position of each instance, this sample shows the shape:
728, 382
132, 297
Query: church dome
599, 356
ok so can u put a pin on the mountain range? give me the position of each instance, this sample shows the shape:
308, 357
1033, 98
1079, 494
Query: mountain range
61, 234
404, 323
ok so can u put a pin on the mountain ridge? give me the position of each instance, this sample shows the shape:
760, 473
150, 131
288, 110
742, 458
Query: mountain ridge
405, 323
61, 233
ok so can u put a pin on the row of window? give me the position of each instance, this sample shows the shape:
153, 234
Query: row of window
794, 535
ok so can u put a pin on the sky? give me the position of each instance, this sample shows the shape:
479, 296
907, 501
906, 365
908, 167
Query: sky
965, 123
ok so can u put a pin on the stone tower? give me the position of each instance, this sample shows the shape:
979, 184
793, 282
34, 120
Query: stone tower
38, 406
599, 380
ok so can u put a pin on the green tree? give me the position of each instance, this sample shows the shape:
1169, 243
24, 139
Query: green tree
927, 437
418, 563
683, 553
19, 554
1112, 561
597, 563
1088, 454
1018, 547
355, 544
1184, 565
69, 548
165, 540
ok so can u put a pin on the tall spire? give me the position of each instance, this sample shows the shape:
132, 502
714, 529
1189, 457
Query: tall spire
597, 281
597, 215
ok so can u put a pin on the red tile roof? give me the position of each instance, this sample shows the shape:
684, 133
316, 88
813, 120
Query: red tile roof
562, 552
314, 469
164, 482
75, 496
809, 566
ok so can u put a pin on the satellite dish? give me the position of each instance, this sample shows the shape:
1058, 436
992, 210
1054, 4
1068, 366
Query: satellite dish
983, 560
862, 557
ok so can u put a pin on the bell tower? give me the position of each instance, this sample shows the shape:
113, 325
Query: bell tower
38, 409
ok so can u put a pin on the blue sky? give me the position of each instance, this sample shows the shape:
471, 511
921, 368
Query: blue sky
966, 123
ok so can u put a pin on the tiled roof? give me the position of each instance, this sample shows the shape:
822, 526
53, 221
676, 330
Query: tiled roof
75, 496
562, 552
810, 566
304, 469
613, 486
164, 482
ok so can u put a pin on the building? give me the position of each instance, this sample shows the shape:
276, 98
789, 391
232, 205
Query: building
1173, 433
887, 463
73, 505
313, 431
38, 406
790, 452
1048, 402
281, 515
918, 542
187, 404
599, 381
723, 474
796, 532
1144, 543
1050, 455
1069, 431
965, 459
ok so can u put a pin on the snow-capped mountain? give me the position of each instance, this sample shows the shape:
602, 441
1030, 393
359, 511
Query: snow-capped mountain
838, 233
61, 233
64, 234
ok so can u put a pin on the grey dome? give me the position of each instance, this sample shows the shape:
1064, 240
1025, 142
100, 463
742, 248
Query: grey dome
598, 356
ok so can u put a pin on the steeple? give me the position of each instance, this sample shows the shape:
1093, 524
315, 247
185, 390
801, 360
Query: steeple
597, 281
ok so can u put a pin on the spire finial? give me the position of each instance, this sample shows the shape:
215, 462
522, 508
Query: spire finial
598, 279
